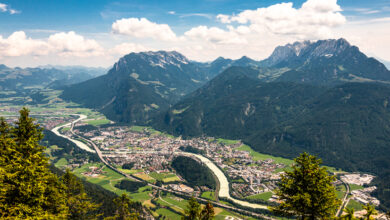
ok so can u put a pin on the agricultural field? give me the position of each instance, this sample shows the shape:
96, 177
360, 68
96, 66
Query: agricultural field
263, 196
355, 187
340, 191
165, 177
98, 122
226, 141
61, 162
208, 195
258, 156
355, 205
145, 177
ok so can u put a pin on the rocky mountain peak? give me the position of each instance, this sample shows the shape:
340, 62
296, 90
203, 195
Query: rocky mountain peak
154, 58
307, 50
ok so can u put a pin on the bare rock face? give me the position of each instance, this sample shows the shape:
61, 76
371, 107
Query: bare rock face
306, 50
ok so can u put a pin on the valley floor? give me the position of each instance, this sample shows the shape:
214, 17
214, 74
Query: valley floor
245, 177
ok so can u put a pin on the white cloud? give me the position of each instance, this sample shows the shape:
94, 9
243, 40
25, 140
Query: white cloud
18, 44
72, 44
254, 33
214, 35
61, 44
204, 15
7, 8
171, 12
143, 28
224, 18
126, 48
3, 7
313, 20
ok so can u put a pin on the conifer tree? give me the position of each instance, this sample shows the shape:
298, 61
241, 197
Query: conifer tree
28, 188
307, 191
207, 212
80, 205
349, 215
193, 210
370, 211
123, 211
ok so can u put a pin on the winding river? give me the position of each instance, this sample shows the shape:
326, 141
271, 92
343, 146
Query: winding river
223, 181
77, 142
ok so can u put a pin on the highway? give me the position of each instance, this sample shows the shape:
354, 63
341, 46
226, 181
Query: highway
345, 200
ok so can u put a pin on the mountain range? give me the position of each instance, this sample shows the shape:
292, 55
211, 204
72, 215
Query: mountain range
324, 97
48, 76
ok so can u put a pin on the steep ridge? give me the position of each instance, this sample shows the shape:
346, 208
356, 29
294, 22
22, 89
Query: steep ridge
347, 125
138, 86
325, 62
235, 104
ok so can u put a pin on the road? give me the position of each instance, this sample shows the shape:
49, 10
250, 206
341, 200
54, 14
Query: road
345, 200
224, 184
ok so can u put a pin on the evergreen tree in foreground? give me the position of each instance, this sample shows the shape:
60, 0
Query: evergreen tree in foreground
123, 212
307, 191
80, 205
194, 211
28, 188
370, 211
349, 214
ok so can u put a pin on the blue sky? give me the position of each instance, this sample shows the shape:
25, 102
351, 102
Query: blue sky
97, 33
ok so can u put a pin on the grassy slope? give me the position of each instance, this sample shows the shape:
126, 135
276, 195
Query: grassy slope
263, 196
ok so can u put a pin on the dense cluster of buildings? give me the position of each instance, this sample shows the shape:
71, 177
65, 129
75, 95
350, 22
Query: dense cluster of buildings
152, 152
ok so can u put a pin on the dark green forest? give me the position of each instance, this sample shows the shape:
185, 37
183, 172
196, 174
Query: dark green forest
348, 125
194, 173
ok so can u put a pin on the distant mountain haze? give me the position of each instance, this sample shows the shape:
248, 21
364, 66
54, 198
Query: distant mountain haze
19, 78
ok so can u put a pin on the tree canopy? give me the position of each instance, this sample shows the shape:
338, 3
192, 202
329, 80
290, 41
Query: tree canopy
194, 211
28, 188
307, 191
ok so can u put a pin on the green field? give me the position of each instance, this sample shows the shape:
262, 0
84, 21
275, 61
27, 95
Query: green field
138, 128
109, 179
259, 156
61, 162
263, 196
179, 202
169, 214
208, 195
226, 141
222, 214
340, 191
161, 176
171, 179
355, 205
129, 171
355, 187
98, 122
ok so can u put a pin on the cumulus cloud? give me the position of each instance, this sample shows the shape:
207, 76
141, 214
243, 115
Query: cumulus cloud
62, 44
72, 44
3, 7
215, 35
18, 44
126, 48
143, 28
7, 8
313, 20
